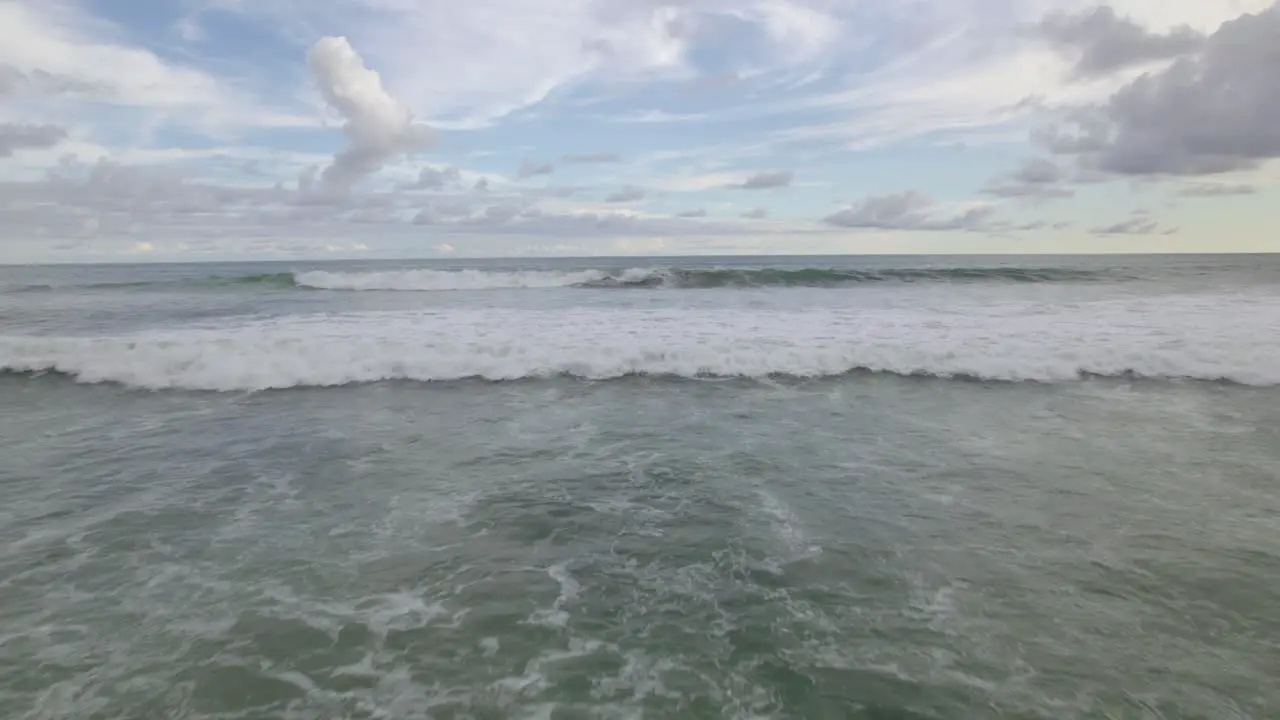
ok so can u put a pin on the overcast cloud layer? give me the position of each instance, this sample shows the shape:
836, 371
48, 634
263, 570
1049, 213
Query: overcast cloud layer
281, 128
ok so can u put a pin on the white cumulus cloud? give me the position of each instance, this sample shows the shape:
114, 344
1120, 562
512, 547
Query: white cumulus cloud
378, 127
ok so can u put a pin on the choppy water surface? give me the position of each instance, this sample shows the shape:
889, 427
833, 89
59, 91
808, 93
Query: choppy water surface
794, 489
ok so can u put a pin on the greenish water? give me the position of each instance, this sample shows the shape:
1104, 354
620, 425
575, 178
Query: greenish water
932, 497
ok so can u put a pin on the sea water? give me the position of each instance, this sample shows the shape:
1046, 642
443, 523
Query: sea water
720, 487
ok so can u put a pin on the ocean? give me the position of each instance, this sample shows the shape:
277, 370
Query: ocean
881, 488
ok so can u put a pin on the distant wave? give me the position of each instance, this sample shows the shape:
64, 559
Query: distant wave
17, 288
270, 280
427, 280
350, 378
436, 280
1211, 339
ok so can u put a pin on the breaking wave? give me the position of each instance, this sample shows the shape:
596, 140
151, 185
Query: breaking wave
674, 277
427, 280
1185, 339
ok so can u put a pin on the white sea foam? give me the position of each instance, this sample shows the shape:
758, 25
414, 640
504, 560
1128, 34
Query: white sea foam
429, 280
556, 616
1204, 337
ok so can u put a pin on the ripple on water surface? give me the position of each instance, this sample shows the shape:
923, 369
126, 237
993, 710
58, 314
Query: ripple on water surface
868, 547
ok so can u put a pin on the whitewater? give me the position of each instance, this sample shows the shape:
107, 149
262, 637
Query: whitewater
1190, 337
1014, 324
918, 488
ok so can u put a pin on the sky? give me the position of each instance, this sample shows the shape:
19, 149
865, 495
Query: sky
174, 130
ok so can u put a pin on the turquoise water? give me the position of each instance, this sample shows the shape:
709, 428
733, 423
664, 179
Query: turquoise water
926, 488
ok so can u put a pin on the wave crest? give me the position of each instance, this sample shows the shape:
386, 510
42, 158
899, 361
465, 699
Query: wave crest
435, 280
428, 280
675, 277
1188, 340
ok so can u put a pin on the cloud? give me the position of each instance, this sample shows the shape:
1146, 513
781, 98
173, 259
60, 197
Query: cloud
497, 57
1033, 192
111, 199
907, 211
757, 214
372, 216
18, 136
445, 210
961, 68
640, 245
1039, 225
813, 83
1037, 178
108, 199
1205, 190
149, 204
54, 53
528, 170
626, 195
14, 81
377, 126
592, 158
558, 192
690, 183
307, 178
425, 217
1139, 225
883, 211
1039, 171
430, 178
1211, 112
766, 180
1102, 41
653, 117
538, 222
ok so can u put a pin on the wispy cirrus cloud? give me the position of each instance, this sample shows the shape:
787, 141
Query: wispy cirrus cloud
58, 57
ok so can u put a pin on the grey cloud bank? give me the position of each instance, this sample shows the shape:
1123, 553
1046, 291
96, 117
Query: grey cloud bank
1104, 42
1212, 111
